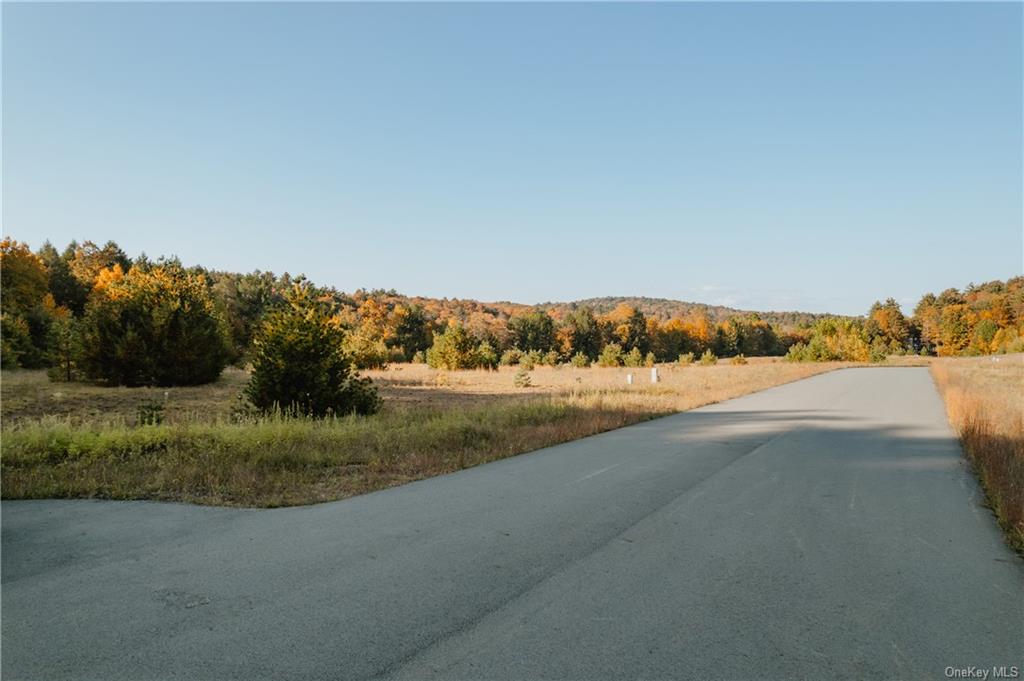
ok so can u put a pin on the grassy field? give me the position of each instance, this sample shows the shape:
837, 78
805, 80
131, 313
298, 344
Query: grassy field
985, 401
72, 440
26, 397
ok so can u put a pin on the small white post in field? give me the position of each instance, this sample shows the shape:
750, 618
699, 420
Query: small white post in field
654, 374
629, 379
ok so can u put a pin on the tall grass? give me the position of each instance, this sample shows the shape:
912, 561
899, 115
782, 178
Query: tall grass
276, 461
985, 403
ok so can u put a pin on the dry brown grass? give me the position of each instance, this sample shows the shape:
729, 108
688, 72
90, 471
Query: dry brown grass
28, 396
58, 443
985, 401
678, 388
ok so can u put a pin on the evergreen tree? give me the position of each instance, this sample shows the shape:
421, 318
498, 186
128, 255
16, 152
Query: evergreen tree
298, 363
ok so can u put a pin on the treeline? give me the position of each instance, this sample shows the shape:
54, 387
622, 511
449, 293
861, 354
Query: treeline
664, 309
980, 320
91, 312
392, 327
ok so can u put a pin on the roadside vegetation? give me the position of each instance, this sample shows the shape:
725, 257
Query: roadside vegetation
92, 313
431, 422
985, 404
981, 320
134, 378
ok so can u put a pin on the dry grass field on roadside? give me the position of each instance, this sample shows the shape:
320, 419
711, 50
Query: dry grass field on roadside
985, 401
71, 440
29, 396
678, 387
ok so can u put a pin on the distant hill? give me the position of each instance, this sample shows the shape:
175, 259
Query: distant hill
661, 309
664, 308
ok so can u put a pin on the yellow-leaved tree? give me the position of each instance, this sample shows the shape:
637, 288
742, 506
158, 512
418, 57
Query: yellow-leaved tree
154, 327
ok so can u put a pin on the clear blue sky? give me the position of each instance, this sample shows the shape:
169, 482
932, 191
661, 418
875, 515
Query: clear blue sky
766, 156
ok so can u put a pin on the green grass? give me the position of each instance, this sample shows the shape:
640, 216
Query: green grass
77, 440
276, 461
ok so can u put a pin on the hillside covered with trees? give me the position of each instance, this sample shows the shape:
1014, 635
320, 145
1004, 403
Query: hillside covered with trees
90, 312
664, 309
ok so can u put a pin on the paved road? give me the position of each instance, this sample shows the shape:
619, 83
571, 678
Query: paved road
822, 529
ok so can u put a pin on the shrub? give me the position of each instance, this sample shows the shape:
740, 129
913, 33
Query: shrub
797, 353
486, 356
551, 358
816, 350
738, 359
419, 357
708, 358
611, 356
649, 360
15, 340
878, 352
834, 340
299, 364
522, 378
150, 413
580, 360
1008, 340
453, 349
686, 358
156, 327
528, 360
511, 357
634, 358
366, 351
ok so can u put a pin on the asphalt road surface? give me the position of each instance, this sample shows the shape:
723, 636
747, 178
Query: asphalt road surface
823, 529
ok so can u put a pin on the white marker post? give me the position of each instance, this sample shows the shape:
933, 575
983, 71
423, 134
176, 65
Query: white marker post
654, 374
629, 379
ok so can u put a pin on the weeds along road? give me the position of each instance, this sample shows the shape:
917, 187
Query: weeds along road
827, 528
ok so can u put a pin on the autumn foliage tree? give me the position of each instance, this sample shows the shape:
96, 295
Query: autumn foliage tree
23, 277
669, 340
29, 310
887, 326
833, 340
745, 335
580, 334
627, 327
157, 327
453, 349
45, 294
955, 329
367, 341
611, 356
66, 289
89, 259
981, 319
412, 331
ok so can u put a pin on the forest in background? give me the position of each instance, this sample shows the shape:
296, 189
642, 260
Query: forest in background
90, 312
